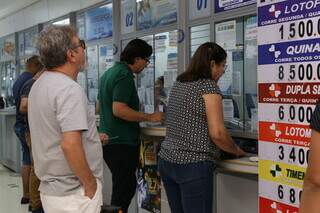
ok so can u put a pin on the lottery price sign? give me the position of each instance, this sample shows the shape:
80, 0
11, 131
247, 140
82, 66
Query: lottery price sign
288, 76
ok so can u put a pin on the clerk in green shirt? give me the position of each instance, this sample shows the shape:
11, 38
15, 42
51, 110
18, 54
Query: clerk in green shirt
120, 117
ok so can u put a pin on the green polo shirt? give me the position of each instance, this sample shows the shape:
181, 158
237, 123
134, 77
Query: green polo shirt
117, 85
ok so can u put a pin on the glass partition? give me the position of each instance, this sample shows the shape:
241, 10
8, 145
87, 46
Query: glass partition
238, 85
250, 67
155, 82
145, 82
166, 65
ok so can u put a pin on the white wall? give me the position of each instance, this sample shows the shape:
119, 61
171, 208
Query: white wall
40, 12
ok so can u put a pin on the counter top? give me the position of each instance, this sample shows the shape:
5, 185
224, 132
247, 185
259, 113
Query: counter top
240, 165
10, 111
160, 131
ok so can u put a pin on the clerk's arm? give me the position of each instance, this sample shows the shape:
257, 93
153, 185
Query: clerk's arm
72, 147
124, 112
217, 131
23, 105
123, 91
310, 202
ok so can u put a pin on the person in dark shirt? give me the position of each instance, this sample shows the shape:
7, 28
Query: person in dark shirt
310, 199
34, 182
120, 117
33, 65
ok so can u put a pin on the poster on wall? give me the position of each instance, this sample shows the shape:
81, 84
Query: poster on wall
105, 58
226, 5
99, 22
226, 34
149, 194
156, 13
288, 60
81, 26
92, 73
30, 39
7, 46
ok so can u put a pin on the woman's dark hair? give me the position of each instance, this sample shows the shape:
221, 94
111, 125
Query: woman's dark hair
200, 65
135, 48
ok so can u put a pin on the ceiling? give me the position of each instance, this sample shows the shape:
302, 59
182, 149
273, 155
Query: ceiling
8, 7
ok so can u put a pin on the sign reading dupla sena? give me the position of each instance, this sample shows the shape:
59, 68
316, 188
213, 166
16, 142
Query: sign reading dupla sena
288, 77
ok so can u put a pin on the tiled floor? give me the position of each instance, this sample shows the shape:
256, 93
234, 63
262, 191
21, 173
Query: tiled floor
10, 192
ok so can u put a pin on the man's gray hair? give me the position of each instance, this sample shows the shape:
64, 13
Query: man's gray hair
53, 44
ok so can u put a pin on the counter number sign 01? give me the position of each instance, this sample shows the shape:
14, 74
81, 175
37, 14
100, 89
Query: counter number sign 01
129, 19
202, 4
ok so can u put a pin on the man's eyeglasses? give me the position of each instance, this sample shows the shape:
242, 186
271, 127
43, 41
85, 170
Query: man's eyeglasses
82, 44
225, 67
147, 60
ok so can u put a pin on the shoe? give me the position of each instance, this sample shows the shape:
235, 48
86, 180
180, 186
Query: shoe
24, 200
39, 210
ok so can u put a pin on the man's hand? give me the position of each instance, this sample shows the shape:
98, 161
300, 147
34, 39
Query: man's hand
90, 189
104, 138
156, 117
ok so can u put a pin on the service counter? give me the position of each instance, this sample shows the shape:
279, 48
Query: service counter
10, 149
235, 181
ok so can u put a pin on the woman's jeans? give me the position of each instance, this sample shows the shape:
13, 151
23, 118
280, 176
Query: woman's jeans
189, 187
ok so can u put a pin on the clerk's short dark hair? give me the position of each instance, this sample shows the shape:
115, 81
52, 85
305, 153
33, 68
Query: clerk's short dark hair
136, 48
